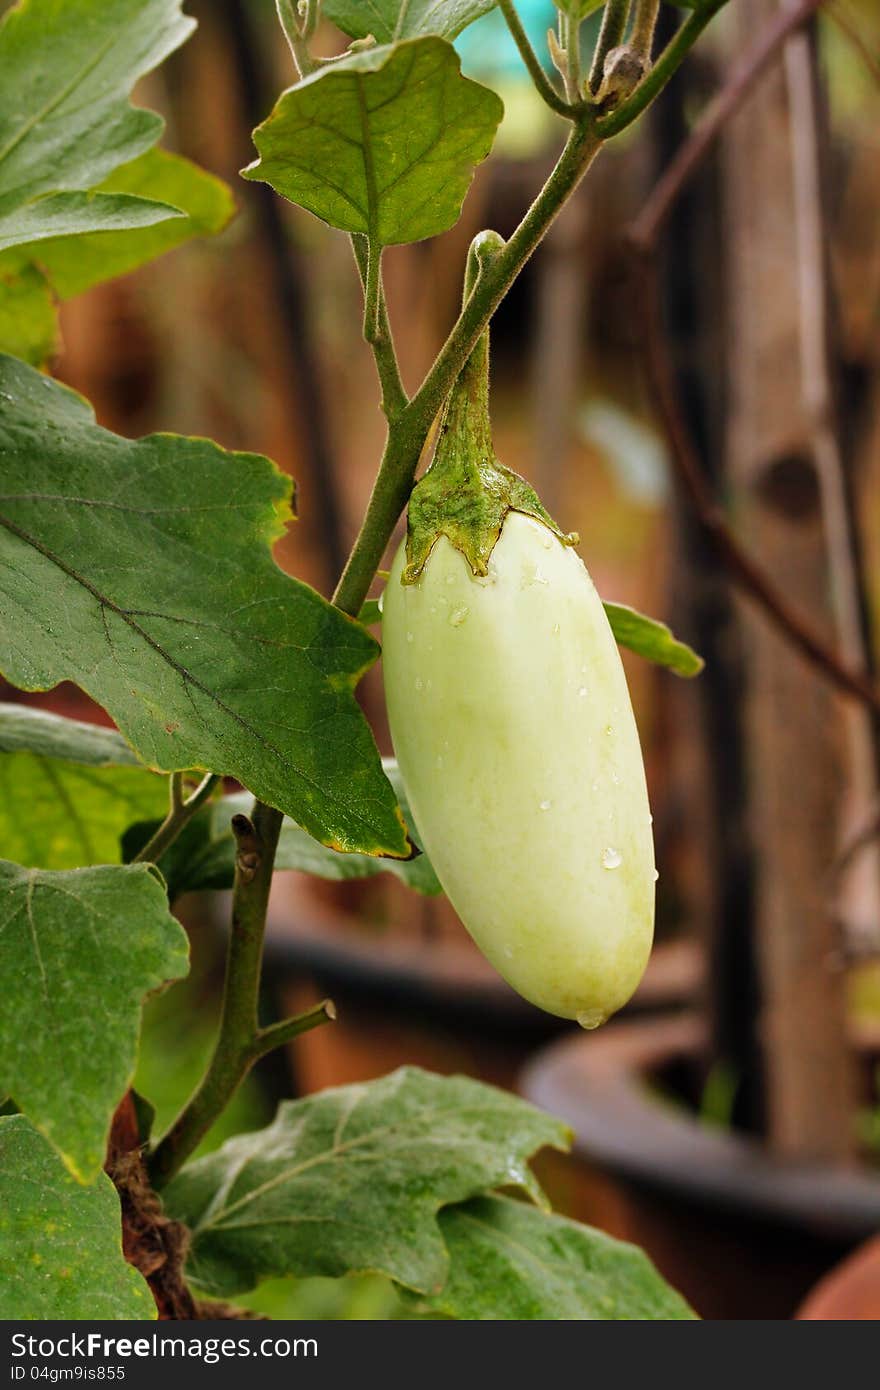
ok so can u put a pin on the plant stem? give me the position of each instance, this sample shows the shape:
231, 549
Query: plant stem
641, 38
372, 292
287, 18
610, 36
666, 65
240, 1041
407, 434
394, 397
543, 85
573, 60
181, 811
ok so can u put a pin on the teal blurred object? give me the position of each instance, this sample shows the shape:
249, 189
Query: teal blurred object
488, 51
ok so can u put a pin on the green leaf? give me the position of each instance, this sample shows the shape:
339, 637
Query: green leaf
28, 321
67, 214
78, 953
652, 639
390, 20
60, 1243
203, 856
383, 142
68, 791
74, 264
513, 1261
68, 67
142, 571
353, 1179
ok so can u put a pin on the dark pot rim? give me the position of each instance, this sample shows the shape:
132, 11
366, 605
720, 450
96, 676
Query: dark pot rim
597, 1084
424, 977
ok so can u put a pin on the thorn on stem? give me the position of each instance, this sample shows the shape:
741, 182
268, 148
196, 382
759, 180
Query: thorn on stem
249, 853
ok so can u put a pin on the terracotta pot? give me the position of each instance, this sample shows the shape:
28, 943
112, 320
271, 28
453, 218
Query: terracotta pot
742, 1235
851, 1292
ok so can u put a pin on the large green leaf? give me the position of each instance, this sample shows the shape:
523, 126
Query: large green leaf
32, 276
353, 1179
68, 68
60, 1243
383, 142
390, 20
68, 214
513, 1261
652, 640
142, 571
79, 950
73, 264
203, 856
68, 791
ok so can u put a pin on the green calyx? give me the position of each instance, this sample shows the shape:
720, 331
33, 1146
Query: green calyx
466, 493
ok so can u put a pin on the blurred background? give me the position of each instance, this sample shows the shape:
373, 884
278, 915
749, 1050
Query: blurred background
729, 1119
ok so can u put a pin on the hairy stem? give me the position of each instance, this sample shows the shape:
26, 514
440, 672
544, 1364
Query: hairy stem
287, 18
240, 1041
373, 292
610, 36
573, 60
180, 812
544, 86
394, 398
641, 38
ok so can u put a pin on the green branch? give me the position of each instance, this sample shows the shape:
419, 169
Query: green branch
241, 1040
394, 398
610, 36
641, 38
181, 811
372, 292
408, 433
544, 86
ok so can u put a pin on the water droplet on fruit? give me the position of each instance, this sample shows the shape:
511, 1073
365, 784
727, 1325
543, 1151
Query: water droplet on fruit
409, 637
419, 683
457, 616
547, 542
650, 819
656, 875
611, 858
439, 759
508, 953
555, 629
615, 777
583, 692
591, 1018
596, 784
545, 805
450, 579
609, 729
